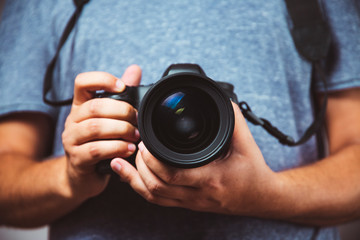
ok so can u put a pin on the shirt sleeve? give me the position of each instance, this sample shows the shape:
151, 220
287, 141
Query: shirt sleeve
343, 63
28, 39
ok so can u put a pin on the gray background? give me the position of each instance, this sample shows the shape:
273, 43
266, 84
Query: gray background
350, 231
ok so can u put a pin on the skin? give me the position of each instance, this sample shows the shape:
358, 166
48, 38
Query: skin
242, 183
239, 184
35, 192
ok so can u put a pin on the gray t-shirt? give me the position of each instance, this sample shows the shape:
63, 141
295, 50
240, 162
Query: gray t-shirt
246, 43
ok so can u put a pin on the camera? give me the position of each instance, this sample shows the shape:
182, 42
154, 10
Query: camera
185, 119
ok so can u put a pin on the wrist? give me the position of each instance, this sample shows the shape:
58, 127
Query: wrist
287, 199
262, 198
265, 198
277, 200
63, 186
270, 197
80, 185
66, 185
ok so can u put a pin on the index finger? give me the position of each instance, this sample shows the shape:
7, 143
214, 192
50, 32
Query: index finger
87, 83
191, 177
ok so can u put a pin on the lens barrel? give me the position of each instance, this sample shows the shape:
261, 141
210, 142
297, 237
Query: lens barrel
186, 120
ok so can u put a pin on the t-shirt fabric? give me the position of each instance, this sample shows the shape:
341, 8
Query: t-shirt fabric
246, 43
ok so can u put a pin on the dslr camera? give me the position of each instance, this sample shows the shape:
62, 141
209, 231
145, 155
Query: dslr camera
185, 119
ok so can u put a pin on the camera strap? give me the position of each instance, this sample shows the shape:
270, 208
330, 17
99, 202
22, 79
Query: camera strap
310, 34
283, 138
312, 39
48, 78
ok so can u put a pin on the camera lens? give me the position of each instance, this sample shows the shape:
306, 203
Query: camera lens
185, 120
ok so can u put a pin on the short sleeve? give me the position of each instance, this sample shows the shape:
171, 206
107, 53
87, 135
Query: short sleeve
343, 63
27, 44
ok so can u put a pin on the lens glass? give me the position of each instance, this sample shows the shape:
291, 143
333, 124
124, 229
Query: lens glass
186, 120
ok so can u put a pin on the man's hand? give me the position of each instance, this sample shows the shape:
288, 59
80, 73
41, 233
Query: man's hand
235, 184
98, 129
34, 192
323, 193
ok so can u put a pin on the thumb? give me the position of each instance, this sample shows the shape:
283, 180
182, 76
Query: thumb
128, 174
132, 76
242, 140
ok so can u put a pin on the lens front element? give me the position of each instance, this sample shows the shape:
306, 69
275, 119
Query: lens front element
186, 120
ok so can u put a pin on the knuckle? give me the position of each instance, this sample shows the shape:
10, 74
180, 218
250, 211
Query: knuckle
94, 128
127, 110
213, 184
94, 151
73, 157
172, 178
155, 187
94, 107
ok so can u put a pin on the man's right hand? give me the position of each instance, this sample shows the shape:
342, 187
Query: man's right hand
34, 193
98, 129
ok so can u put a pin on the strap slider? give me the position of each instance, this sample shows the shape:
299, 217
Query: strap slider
249, 115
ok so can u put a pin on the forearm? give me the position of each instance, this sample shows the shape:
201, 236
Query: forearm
323, 193
34, 193
328, 191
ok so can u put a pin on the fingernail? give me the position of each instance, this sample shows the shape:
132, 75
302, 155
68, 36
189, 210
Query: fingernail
120, 86
137, 134
131, 147
116, 166
141, 146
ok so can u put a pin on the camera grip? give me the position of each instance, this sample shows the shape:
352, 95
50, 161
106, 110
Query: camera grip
103, 167
229, 90
129, 95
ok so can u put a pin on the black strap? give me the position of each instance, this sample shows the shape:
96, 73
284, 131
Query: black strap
309, 30
312, 39
80, 3
48, 79
283, 138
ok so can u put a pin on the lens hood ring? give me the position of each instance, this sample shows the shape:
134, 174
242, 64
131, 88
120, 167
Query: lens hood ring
220, 103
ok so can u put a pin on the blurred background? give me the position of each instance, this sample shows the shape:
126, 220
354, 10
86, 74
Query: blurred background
350, 231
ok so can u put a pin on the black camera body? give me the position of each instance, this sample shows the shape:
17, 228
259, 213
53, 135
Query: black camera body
185, 119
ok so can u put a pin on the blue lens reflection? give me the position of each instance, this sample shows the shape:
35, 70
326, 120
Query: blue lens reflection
173, 100
184, 120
